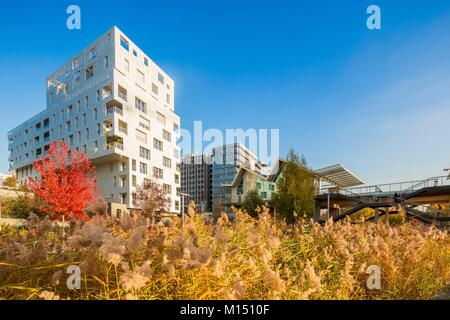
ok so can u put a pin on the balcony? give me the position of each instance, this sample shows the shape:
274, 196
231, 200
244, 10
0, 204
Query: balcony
114, 109
107, 127
123, 96
107, 92
114, 145
123, 130
123, 127
122, 93
114, 141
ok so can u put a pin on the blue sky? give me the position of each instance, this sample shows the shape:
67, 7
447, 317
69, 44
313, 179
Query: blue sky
376, 101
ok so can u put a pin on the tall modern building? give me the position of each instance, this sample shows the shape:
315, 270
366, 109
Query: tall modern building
226, 162
114, 103
196, 181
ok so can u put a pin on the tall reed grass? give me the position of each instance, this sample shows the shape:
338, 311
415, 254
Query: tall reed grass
242, 259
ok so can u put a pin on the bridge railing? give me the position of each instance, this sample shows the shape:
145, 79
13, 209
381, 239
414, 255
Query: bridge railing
428, 183
400, 187
386, 192
344, 192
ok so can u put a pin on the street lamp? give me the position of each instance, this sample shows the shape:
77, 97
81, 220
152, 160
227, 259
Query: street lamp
183, 195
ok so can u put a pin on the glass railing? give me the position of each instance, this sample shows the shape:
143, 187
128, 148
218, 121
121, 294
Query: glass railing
123, 96
123, 130
107, 94
115, 110
117, 145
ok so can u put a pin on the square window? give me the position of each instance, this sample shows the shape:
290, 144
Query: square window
157, 144
143, 168
161, 118
141, 76
144, 153
75, 63
92, 53
155, 89
167, 136
124, 43
89, 72
167, 162
140, 105
160, 78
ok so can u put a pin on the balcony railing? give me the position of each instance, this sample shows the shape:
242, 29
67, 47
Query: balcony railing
123, 130
117, 145
123, 96
107, 94
107, 130
115, 110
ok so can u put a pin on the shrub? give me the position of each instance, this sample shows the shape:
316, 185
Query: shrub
21, 207
251, 203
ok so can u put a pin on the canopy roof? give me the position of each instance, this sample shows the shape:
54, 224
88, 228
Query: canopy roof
339, 176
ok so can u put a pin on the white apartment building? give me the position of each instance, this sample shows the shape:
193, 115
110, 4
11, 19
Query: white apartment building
114, 103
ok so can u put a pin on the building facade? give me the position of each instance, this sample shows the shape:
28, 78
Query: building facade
246, 181
226, 161
115, 104
196, 181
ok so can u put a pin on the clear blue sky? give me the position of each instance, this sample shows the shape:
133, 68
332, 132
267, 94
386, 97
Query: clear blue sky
376, 101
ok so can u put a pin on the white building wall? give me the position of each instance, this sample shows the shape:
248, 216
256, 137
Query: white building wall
81, 112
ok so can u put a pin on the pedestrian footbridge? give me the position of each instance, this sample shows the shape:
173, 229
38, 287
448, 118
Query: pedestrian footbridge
410, 196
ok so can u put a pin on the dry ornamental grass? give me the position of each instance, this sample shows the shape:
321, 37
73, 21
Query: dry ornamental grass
241, 259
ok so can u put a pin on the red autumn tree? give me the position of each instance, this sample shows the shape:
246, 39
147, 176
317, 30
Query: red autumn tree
151, 199
67, 182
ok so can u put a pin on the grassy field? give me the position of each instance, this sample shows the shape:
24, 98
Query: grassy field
244, 259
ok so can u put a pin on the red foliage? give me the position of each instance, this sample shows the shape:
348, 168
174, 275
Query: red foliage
67, 182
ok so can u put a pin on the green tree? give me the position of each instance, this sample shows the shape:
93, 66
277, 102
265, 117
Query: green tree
251, 202
295, 189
